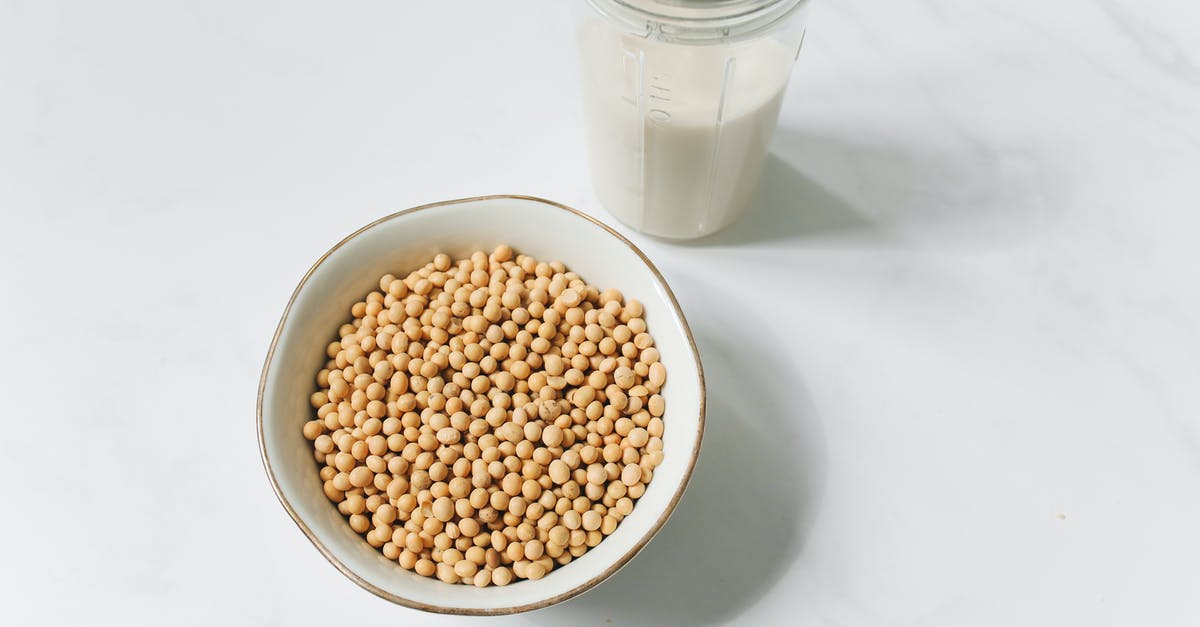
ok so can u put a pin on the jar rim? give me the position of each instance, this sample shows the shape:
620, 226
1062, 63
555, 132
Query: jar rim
697, 21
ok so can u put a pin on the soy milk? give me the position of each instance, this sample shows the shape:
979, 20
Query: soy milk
678, 134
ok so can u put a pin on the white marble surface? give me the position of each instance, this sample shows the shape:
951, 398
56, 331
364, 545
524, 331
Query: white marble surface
953, 354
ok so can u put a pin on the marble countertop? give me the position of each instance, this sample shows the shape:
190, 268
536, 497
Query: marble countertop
952, 352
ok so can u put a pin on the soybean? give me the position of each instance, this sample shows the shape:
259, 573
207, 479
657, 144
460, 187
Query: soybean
490, 418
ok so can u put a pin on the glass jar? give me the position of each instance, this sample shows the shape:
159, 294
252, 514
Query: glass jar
680, 100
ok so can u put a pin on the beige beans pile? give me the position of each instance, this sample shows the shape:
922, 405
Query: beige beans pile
488, 419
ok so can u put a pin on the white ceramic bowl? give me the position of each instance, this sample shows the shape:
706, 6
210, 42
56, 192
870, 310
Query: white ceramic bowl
398, 243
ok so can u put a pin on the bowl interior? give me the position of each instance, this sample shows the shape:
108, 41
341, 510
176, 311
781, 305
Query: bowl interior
399, 243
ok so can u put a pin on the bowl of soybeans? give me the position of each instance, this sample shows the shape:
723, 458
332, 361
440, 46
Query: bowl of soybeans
481, 406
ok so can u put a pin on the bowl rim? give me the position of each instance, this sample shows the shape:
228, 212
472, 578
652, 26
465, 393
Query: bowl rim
443, 609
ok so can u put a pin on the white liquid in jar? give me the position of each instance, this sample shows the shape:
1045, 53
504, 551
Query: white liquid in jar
678, 134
